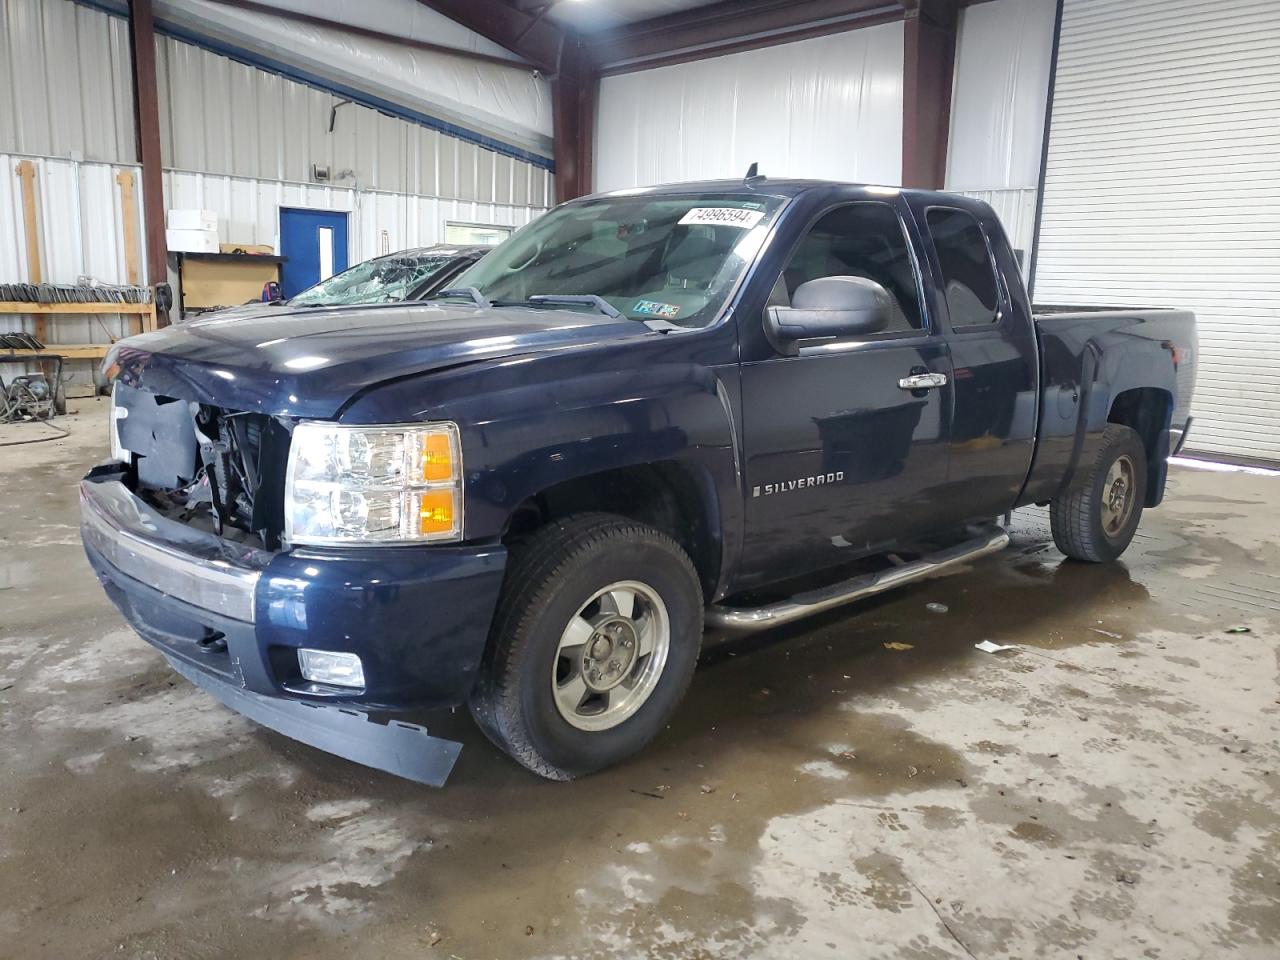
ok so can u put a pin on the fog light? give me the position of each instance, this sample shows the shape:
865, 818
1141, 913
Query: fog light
326, 666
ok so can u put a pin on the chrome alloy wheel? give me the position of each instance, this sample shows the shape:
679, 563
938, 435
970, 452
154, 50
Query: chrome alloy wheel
1117, 496
611, 656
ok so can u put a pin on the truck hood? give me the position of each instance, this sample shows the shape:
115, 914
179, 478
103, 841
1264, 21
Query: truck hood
309, 363
242, 312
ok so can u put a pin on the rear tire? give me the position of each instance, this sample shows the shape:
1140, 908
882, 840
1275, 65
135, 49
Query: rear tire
1097, 520
593, 645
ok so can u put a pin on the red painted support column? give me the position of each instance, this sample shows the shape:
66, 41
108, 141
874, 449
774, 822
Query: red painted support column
146, 116
929, 37
573, 111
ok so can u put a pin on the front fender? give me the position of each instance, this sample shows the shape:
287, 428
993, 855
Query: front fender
533, 423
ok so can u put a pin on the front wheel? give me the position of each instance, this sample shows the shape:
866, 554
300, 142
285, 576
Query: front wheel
1097, 520
593, 645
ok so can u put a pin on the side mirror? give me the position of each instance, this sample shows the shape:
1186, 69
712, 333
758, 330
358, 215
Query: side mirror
829, 308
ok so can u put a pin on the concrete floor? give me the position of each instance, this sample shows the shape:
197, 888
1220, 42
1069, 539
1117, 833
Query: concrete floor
1109, 789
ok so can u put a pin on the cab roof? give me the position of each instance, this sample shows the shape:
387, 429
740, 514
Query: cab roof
766, 186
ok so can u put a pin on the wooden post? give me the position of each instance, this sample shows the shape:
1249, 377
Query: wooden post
30, 219
129, 225
26, 171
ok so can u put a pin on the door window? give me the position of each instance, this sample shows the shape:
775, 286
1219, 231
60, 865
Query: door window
858, 240
968, 275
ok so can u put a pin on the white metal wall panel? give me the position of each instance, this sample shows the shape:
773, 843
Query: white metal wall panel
825, 107
1163, 188
249, 211
79, 225
65, 88
223, 117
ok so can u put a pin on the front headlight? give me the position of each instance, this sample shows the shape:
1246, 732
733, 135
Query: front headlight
374, 485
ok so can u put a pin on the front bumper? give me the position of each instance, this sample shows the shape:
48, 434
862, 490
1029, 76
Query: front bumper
233, 616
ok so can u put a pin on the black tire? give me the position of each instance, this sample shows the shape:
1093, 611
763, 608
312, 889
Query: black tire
549, 577
60, 399
1080, 518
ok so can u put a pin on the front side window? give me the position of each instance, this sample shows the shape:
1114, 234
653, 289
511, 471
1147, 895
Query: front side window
968, 275
386, 279
858, 240
674, 258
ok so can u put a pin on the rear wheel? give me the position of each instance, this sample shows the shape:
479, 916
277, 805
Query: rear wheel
593, 645
1096, 521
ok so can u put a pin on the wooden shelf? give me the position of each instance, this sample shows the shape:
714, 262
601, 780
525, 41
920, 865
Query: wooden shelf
19, 306
145, 312
71, 351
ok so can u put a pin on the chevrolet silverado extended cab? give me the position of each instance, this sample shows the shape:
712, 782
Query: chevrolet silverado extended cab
727, 403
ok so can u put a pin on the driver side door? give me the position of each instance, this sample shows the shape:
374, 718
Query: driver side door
840, 458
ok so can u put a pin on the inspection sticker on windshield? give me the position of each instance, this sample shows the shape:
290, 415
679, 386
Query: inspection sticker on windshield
723, 217
656, 309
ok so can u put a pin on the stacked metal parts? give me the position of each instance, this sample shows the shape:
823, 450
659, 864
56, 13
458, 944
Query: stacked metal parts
85, 292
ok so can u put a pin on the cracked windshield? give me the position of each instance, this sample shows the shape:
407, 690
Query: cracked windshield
386, 279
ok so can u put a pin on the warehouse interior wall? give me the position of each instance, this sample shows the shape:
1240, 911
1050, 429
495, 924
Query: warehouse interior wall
1004, 49
825, 107
505, 108
65, 87
224, 117
236, 139
1161, 189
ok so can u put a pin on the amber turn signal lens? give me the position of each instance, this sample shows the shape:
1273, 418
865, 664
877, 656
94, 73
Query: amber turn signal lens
437, 457
435, 511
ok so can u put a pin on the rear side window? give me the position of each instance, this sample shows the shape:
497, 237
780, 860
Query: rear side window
968, 275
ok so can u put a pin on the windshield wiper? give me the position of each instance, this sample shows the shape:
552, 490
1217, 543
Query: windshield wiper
589, 299
472, 293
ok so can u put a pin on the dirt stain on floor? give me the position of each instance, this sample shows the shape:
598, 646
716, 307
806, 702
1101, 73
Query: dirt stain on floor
1106, 788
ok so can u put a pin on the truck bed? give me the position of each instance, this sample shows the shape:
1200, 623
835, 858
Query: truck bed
1091, 357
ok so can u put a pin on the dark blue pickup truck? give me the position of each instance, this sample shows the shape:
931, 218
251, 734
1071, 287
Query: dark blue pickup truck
726, 404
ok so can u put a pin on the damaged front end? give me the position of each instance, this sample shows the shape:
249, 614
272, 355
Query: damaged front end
215, 469
184, 529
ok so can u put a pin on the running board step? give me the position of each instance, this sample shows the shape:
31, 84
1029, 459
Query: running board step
746, 619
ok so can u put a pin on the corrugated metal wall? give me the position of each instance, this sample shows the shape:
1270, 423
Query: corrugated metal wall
221, 116
65, 90
79, 221
238, 140
79, 224
65, 85
249, 210
1163, 189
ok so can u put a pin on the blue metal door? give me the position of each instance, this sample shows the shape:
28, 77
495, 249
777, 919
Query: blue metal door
314, 243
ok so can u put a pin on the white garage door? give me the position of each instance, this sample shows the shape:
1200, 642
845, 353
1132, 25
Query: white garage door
1163, 188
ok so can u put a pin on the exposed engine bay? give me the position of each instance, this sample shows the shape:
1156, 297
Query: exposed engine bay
219, 470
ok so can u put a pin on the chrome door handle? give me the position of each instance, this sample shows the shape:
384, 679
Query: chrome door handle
923, 381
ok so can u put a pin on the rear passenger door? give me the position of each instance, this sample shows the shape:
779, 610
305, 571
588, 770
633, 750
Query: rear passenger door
993, 354
840, 457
